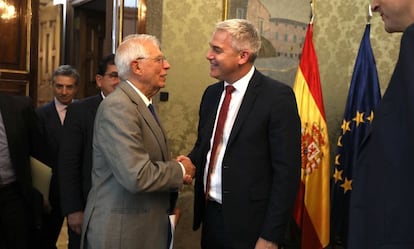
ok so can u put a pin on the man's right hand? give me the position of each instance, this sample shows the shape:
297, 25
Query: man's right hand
189, 169
75, 221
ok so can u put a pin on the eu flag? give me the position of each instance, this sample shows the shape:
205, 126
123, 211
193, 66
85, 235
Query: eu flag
363, 97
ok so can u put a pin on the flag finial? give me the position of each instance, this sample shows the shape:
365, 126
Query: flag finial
312, 11
369, 14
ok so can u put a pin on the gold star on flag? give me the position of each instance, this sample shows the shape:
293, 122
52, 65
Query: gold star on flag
339, 143
347, 185
359, 118
337, 159
338, 175
370, 117
345, 126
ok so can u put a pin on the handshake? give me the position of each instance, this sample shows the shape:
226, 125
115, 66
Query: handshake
189, 168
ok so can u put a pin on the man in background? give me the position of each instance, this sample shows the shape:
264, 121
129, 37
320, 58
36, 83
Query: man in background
382, 200
75, 155
65, 81
248, 151
133, 176
20, 204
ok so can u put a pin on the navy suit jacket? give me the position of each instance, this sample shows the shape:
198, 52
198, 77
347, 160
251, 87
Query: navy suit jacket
382, 200
51, 129
261, 165
75, 156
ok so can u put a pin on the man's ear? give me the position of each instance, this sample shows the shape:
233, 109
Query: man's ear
98, 79
135, 67
244, 56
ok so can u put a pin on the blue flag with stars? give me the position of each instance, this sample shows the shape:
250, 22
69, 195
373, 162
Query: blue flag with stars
363, 97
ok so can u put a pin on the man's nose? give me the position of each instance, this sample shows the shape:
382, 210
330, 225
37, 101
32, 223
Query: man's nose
209, 54
65, 90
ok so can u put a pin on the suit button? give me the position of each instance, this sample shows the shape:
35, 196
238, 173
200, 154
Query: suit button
225, 167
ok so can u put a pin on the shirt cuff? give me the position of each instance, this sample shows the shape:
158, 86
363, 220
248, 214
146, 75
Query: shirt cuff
182, 168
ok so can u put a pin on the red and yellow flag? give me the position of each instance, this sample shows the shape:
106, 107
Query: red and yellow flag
311, 211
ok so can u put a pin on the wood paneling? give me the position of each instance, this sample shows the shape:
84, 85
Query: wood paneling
15, 87
14, 33
18, 49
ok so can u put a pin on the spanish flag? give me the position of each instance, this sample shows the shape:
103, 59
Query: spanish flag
311, 211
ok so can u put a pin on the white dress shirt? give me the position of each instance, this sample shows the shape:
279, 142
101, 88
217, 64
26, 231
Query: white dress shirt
236, 100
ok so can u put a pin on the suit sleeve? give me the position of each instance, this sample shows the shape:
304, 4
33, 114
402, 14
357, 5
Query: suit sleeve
285, 147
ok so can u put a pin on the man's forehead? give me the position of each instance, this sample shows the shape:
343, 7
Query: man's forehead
64, 80
111, 68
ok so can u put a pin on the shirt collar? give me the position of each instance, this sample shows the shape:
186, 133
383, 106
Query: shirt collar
243, 82
59, 106
143, 97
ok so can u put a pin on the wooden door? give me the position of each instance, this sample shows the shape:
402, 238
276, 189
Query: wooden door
49, 49
18, 48
91, 34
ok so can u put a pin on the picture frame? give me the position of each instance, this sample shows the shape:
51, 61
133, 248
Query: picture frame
282, 25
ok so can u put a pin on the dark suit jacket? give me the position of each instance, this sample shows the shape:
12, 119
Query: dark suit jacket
382, 201
52, 131
22, 132
75, 158
261, 166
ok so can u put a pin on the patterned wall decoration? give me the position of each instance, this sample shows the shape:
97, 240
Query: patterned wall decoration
187, 27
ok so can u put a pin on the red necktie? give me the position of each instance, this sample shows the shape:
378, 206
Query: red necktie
218, 135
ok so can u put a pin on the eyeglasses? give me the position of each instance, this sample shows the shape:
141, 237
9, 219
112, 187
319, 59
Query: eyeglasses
113, 75
159, 59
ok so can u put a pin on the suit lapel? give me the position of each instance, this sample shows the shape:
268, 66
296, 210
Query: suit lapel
54, 115
156, 128
246, 105
217, 91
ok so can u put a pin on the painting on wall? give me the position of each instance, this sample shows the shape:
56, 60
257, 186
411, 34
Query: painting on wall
282, 25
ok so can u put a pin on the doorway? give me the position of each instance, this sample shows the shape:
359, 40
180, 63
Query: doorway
77, 40
88, 42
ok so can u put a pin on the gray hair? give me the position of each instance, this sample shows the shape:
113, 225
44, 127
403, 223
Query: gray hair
130, 49
244, 35
66, 70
